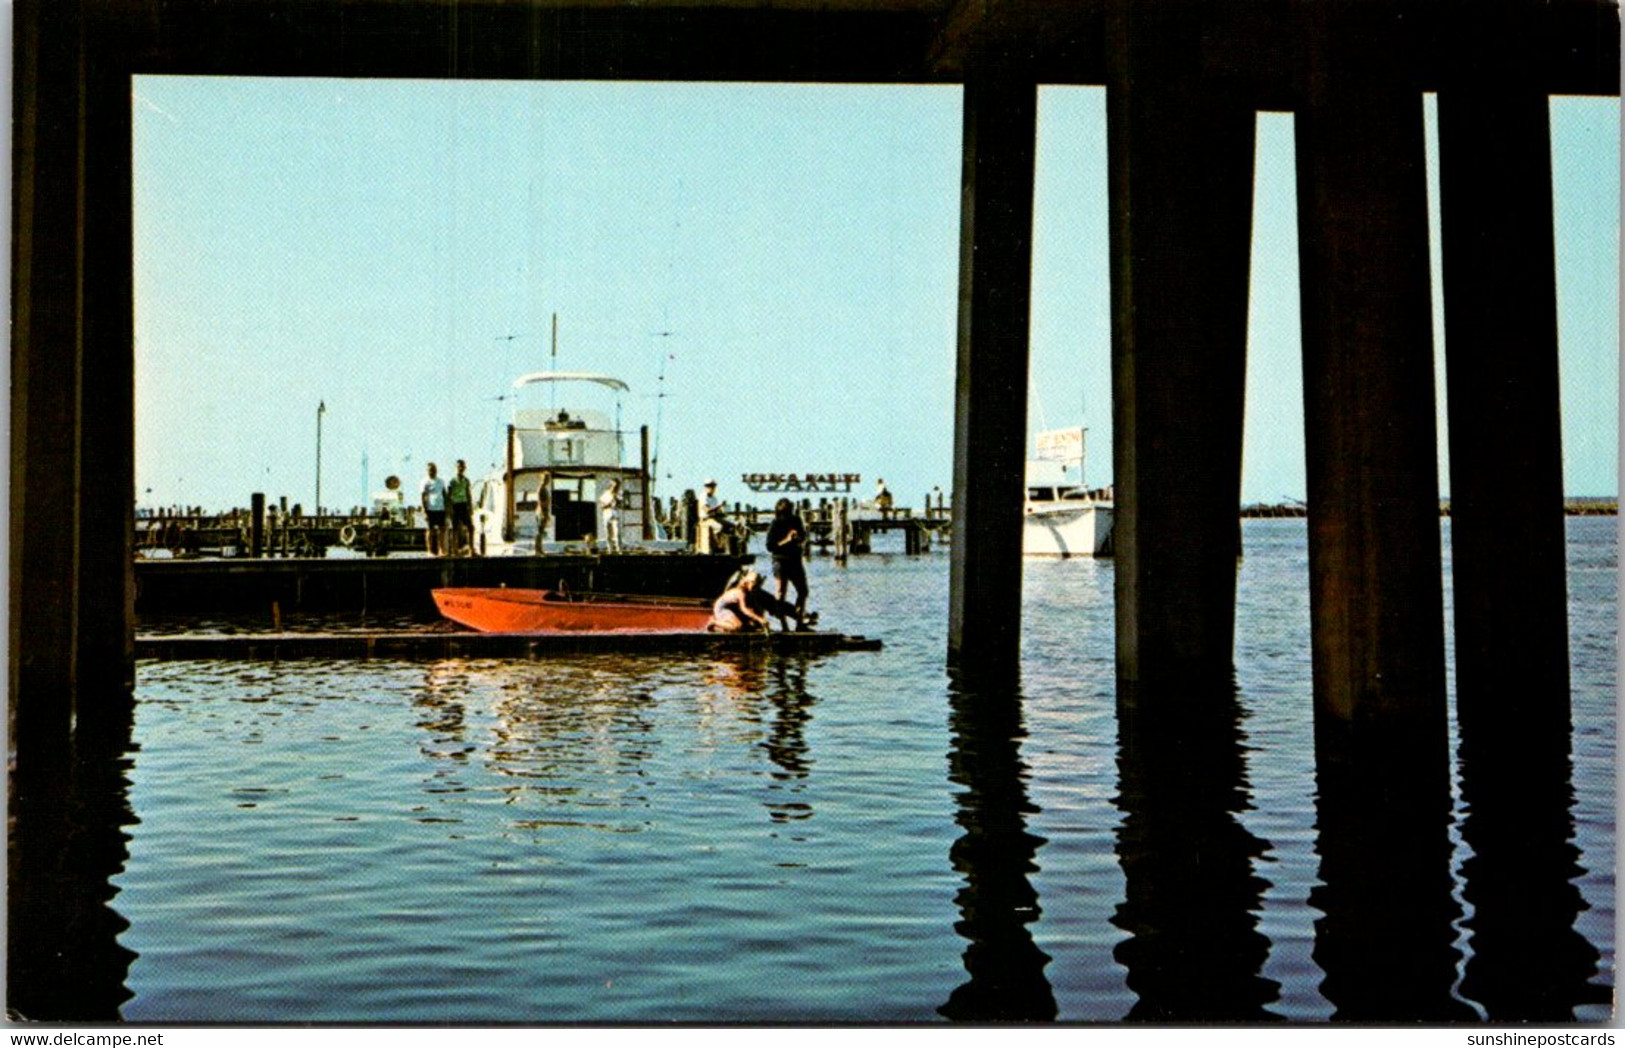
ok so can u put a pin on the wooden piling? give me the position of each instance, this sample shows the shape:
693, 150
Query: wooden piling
647, 504
990, 393
1181, 181
256, 524
1375, 575
1500, 301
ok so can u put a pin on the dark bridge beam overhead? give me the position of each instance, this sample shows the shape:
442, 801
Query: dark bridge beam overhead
1252, 42
781, 40
1258, 45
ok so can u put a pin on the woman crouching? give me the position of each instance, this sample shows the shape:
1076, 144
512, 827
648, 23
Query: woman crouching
732, 611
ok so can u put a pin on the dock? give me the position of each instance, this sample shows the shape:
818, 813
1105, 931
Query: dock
440, 644
841, 526
369, 584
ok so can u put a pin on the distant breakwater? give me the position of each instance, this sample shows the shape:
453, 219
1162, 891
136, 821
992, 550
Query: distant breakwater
1573, 507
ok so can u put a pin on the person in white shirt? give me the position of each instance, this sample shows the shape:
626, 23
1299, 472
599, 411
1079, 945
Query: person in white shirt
610, 505
434, 508
713, 522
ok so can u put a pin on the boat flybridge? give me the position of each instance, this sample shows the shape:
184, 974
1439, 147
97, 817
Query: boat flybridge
565, 458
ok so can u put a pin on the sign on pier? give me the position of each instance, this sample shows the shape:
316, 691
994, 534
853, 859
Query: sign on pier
817, 482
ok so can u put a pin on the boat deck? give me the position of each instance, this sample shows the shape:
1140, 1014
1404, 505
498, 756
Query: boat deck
443, 644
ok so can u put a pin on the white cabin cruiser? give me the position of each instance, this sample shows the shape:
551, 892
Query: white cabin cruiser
566, 459
1063, 518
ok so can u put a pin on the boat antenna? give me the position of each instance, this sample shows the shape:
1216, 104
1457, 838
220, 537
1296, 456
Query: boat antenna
660, 404
1038, 402
507, 371
552, 390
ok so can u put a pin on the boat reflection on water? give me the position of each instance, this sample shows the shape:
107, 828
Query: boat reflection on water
549, 722
996, 856
1192, 896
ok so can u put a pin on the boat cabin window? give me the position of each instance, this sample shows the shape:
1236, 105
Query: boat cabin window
1041, 494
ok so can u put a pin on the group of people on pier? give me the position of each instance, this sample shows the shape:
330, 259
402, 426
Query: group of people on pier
449, 508
745, 605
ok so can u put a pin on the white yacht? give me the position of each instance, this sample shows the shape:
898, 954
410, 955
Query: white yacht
568, 457
1063, 517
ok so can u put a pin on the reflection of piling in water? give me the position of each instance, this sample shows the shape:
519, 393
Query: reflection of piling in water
1387, 938
1007, 981
1194, 952
1528, 962
63, 960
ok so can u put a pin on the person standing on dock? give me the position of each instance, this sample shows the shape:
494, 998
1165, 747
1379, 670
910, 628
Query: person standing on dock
434, 508
786, 539
610, 503
460, 500
883, 500
713, 522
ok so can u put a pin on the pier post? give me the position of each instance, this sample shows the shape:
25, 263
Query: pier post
990, 400
106, 585
1528, 962
1376, 596
1180, 180
45, 406
691, 517
256, 524
644, 502
1500, 299
72, 506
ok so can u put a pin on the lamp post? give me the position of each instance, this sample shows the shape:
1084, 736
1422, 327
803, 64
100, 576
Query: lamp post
321, 409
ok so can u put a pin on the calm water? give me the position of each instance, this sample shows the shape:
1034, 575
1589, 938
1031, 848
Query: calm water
848, 837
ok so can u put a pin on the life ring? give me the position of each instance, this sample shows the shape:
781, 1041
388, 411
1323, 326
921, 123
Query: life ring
347, 534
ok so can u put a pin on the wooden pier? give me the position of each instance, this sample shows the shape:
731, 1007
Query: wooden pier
840, 527
403, 583
435, 644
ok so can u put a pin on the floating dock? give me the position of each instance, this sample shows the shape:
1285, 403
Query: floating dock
373, 584
433, 644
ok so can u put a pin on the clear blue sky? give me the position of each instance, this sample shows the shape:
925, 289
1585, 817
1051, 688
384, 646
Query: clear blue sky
785, 255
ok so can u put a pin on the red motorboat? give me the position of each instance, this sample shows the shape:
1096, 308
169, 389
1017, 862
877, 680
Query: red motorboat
504, 610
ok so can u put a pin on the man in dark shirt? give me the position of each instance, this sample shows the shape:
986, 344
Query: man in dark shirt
786, 539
